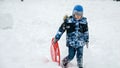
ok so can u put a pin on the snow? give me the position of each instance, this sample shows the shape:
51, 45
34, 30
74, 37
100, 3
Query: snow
26, 44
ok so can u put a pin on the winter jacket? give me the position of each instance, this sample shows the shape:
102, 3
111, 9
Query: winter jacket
76, 31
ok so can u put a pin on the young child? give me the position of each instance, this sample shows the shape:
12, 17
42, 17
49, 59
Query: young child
77, 35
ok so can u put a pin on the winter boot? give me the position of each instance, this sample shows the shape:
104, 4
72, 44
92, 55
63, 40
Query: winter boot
80, 67
64, 63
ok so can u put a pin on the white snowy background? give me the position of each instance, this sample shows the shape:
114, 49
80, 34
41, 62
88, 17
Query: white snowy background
26, 29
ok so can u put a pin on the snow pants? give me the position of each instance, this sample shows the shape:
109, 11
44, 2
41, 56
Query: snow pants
71, 53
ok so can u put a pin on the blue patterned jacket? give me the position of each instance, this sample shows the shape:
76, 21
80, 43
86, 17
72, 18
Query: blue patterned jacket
76, 31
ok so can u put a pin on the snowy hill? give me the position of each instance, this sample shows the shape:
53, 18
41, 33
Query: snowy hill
26, 29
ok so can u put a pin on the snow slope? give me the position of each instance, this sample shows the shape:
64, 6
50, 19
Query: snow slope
26, 43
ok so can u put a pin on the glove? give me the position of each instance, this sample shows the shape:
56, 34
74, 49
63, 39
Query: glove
87, 44
55, 41
65, 17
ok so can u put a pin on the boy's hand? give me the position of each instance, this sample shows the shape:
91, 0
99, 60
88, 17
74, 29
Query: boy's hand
55, 41
87, 44
65, 17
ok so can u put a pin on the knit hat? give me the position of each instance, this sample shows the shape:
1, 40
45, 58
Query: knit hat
78, 10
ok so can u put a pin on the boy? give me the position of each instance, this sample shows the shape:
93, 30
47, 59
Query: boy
77, 36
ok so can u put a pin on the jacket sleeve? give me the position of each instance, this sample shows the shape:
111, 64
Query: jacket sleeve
86, 36
60, 31
86, 33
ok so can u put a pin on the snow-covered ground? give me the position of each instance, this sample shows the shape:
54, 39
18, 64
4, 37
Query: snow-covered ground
28, 27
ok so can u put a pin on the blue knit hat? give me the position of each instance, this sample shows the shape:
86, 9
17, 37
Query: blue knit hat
78, 9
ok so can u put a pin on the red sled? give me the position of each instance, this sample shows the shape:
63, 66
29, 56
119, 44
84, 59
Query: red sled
55, 52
